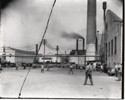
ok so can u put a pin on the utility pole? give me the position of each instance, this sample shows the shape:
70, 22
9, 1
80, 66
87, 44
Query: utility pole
36, 51
44, 43
4, 53
97, 45
36, 48
65, 52
105, 35
104, 9
57, 49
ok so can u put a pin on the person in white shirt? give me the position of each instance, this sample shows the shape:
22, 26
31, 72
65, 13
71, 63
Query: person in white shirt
119, 72
116, 69
17, 66
101, 66
71, 69
94, 66
42, 68
88, 73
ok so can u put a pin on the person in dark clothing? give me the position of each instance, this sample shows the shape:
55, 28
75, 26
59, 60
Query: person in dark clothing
88, 74
71, 69
81, 68
47, 67
17, 66
24, 66
0, 67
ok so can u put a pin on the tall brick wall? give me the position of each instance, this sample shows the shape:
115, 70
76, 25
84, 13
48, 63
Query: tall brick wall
113, 30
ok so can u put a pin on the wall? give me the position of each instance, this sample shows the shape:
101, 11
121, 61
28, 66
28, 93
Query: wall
113, 29
8, 58
77, 60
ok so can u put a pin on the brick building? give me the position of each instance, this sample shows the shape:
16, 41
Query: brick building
111, 44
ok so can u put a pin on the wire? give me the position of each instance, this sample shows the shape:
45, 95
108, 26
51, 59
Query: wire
38, 48
45, 29
24, 82
47, 25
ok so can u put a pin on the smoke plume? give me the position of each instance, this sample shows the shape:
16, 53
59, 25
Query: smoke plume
71, 35
48, 45
121, 1
5, 3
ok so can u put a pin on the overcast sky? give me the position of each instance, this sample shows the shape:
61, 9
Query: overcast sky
23, 22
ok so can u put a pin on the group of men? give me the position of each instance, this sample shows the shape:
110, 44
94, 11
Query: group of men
17, 66
88, 70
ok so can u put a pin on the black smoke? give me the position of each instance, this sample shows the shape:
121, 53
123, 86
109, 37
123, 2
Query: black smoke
121, 1
5, 3
72, 35
49, 46
118, 1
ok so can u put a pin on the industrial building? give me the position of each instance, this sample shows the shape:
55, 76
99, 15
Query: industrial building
18, 56
80, 50
111, 43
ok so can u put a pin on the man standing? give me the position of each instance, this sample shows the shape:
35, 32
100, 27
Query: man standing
0, 67
116, 69
119, 73
101, 66
24, 66
81, 68
88, 73
71, 69
42, 68
17, 66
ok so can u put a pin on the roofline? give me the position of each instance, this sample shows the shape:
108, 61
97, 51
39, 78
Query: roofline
24, 51
117, 18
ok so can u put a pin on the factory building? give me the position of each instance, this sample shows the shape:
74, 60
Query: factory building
19, 56
111, 45
80, 50
50, 58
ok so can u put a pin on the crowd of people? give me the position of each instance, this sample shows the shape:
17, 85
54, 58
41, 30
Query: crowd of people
89, 67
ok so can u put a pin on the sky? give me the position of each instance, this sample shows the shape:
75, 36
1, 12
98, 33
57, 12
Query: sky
23, 23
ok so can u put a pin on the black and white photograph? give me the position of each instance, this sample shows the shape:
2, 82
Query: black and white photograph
61, 49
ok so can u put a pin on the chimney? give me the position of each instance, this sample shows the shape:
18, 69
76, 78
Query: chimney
83, 44
91, 29
77, 46
4, 53
36, 48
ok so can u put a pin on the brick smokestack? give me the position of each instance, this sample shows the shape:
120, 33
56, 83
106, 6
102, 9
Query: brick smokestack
91, 28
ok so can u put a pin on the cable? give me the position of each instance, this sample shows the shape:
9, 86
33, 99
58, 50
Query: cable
45, 29
24, 82
38, 48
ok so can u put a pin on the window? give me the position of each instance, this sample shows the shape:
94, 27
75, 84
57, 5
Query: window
115, 49
111, 47
106, 51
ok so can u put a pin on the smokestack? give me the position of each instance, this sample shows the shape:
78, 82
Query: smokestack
77, 45
91, 28
104, 8
83, 44
4, 53
36, 48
